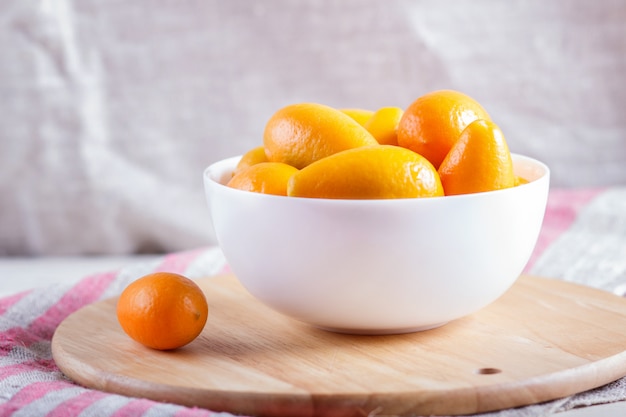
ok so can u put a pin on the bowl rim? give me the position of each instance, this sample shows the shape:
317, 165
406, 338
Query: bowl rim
542, 170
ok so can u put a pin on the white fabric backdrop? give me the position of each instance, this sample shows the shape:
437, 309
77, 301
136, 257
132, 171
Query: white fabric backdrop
110, 110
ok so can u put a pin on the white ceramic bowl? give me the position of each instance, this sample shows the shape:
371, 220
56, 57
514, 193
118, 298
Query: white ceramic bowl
378, 266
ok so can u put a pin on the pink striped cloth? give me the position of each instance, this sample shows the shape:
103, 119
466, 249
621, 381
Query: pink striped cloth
583, 239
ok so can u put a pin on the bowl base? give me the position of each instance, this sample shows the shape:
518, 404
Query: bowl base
380, 332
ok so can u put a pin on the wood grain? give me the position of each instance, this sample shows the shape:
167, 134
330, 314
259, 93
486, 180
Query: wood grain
542, 340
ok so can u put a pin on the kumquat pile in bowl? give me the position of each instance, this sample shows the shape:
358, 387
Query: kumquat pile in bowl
378, 222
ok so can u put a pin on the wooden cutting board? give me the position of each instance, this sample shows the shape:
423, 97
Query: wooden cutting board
542, 340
